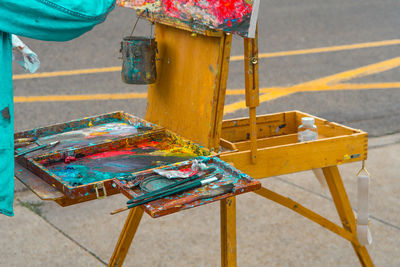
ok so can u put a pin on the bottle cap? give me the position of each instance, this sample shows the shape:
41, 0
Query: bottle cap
307, 121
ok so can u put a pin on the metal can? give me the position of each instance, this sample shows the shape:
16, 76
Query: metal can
138, 60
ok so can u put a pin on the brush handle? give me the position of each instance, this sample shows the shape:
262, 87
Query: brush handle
181, 201
164, 189
31, 150
118, 210
208, 194
174, 191
24, 140
52, 144
170, 192
22, 144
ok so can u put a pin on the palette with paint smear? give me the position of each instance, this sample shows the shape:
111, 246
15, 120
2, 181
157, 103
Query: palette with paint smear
78, 171
86, 132
235, 16
225, 172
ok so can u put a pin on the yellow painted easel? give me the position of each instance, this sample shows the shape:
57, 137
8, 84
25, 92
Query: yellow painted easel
188, 98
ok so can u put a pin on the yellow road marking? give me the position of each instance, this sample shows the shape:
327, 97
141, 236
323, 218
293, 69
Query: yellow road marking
324, 49
267, 94
64, 73
91, 97
233, 58
327, 83
358, 72
331, 82
54, 98
362, 86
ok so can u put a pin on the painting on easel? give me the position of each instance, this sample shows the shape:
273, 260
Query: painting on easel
234, 16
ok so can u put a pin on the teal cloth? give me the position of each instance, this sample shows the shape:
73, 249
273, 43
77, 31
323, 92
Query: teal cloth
56, 20
6, 127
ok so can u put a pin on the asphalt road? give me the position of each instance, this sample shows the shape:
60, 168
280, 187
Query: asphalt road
368, 100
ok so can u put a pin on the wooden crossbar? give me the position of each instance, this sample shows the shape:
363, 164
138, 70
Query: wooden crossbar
315, 217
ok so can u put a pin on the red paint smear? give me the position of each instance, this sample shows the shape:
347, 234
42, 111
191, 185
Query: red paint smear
69, 159
109, 154
222, 10
148, 144
188, 170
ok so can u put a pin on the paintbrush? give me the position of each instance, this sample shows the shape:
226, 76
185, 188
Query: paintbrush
52, 144
22, 142
170, 192
210, 193
210, 171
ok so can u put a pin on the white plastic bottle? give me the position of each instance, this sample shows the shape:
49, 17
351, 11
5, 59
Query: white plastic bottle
307, 130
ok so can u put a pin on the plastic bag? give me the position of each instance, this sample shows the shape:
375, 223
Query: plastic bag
24, 56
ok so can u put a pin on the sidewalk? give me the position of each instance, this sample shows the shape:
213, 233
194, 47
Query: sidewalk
45, 234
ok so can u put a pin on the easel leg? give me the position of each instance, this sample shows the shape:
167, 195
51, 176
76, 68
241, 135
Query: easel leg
345, 211
228, 232
126, 237
252, 89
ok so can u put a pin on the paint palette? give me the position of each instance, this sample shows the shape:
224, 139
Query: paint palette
80, 172
97, 153
235, 16
225, 172
85, 132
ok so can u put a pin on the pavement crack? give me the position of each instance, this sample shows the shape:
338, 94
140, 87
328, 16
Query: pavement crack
330, 199
35, 208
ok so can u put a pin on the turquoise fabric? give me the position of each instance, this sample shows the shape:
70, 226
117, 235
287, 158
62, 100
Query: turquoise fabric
6, 127
56, 20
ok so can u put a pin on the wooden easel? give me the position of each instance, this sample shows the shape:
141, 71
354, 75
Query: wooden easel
188, 98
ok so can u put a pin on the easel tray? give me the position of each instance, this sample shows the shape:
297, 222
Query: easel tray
84, 132
88, 171
279, 152
225, 172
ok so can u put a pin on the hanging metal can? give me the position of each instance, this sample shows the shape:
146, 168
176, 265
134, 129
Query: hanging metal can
138, 60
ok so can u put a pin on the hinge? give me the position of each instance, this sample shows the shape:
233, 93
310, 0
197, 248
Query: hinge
97, 188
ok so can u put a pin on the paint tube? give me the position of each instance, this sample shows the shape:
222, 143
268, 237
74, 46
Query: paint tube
174, 174
25, 57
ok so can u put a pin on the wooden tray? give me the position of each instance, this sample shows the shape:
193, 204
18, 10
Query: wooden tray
87, 131
93, 167
243, 183
278, 151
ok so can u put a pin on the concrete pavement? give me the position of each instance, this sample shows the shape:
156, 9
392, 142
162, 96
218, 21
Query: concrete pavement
44, 234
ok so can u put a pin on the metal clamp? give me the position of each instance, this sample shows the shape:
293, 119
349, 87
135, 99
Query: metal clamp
98, 187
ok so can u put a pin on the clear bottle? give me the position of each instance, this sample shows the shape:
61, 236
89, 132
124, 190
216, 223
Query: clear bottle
307, 130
